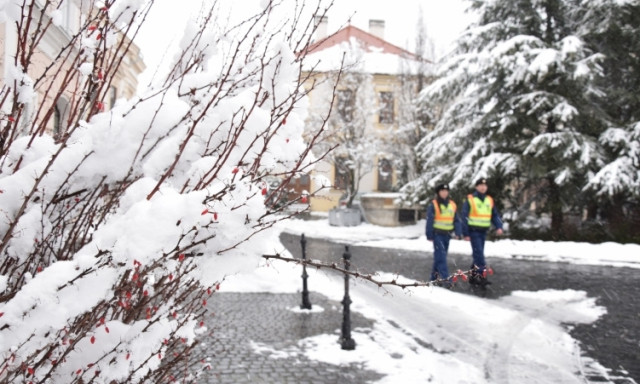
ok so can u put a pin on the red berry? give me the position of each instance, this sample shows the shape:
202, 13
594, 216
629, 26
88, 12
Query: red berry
92, 28
99, 36
181, 257
170, 276
93, 339
264, 191
106, 329
145, 293
79, 371
30, 370
304, 199
234, 170
11, 119
128, 355
284, 121
215, 215
455, 279
202, 323
134, 277
205, 212
204, 302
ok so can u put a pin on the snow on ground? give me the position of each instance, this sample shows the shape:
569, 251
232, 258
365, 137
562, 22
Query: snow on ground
437, 335
412, 238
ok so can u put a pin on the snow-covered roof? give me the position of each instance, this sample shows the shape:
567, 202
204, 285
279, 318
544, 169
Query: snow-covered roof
362, 50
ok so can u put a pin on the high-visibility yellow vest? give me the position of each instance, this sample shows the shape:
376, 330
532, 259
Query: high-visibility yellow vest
480, 211
445, 214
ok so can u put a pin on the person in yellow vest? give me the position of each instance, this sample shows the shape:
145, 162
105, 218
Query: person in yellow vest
441, 222
478, 214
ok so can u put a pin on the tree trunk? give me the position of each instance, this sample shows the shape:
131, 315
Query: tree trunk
352, 189
555, 207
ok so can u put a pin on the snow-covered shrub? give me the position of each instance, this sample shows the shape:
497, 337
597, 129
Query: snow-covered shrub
116, 229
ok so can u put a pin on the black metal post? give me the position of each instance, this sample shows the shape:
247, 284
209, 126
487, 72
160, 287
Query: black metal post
345, 339
306, 304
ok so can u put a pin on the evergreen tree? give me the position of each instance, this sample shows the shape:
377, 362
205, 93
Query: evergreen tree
519, 99
613, 28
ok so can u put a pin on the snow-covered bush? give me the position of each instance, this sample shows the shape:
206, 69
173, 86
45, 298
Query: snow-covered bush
116, 229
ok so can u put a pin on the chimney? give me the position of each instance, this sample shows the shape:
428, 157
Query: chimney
321, 27
376, 28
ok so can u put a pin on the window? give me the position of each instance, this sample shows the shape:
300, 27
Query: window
386, 113
113, 94
57, 122
341, 174
345, 104
385, 175
59, 118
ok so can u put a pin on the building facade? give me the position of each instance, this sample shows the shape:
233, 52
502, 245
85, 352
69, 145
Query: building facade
370, 106
49, 67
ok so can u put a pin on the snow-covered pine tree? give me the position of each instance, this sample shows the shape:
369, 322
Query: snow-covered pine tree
519, 98
613, 28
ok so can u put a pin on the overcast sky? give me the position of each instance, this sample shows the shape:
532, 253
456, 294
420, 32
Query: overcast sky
444, 20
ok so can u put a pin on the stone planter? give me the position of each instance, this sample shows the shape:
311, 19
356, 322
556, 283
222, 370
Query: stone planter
381, 209
344, 217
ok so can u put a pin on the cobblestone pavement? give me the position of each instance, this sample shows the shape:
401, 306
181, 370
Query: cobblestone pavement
613, 341
250, 332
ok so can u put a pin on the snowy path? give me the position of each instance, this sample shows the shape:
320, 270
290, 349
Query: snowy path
613, 339
505, 343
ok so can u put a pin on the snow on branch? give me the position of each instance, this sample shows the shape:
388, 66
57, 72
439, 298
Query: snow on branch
119, 220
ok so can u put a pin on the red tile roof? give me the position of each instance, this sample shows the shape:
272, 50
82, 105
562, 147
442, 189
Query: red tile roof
368, 39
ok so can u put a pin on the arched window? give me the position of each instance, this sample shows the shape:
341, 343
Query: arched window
385, 175
60, 115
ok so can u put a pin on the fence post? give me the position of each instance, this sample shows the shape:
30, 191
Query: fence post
306, 304
346, 341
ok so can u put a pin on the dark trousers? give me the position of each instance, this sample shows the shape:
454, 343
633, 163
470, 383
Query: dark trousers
440, 249
477, 247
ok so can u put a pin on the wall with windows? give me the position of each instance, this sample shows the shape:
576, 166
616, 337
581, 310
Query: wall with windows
69, 19
383, 177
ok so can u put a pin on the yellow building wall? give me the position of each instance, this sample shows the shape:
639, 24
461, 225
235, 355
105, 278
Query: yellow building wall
330, 199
